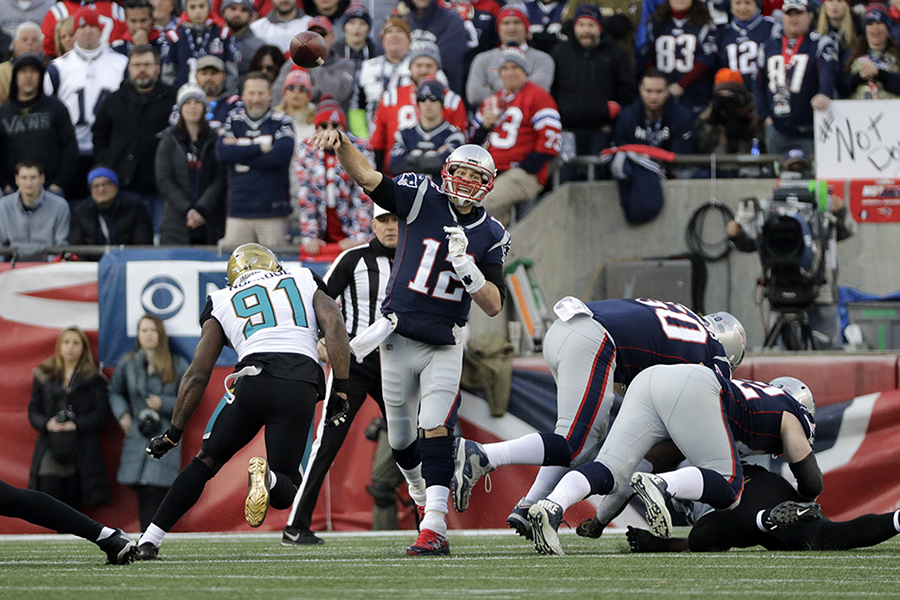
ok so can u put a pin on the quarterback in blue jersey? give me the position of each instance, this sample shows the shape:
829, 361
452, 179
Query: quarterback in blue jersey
797, 75
450, 252
709, 418
739, 40
588, 349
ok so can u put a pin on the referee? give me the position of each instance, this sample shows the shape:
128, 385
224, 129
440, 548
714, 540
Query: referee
357, 279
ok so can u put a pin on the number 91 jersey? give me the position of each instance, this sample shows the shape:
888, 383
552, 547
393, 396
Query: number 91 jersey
649, 332
270, 312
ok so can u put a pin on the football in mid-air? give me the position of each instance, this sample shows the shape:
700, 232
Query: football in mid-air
308, 49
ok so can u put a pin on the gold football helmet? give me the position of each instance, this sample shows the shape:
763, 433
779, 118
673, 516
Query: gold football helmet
250, 257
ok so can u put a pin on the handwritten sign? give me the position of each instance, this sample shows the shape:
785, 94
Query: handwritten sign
858, 139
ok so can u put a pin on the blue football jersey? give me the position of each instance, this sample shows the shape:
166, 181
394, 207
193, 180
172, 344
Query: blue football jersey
650, 332
675, 48
424, 291
784, 88
754, 411
739, 45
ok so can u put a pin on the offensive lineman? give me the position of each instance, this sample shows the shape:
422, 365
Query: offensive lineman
588, 348
712, 420
271, 317
433, 283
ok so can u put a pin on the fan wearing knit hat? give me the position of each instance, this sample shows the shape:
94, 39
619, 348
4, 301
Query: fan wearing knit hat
730, 123
512, 27
331, 208
424, 147
874, 63
356, 43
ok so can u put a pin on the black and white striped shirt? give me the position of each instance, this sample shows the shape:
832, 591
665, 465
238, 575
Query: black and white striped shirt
357, 279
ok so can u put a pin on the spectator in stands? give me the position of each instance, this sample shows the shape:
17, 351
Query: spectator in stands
188, 175
741, 39
13, 14
681, 42
656, 118
729, 125
67, 79
32, 219
197, 37
68, 408
278, 27
107, 11
620, 20
139, 20
545, 23
65, 35
126, 132
256, 146
332, 9
36, 128
268, 60
425, 146
449, 33
238, 15
789, 89
521, 128
332, 207
398, 109
109, 218
166, 14
142, 395
872, 67
484, 78
28, 39
295, 104
480, 20
837, 21
593, 81
356, 44
219, 101
388, 71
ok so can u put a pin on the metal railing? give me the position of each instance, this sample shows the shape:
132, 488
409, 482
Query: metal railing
714, 162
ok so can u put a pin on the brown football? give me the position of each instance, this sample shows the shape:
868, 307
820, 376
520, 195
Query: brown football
308, 49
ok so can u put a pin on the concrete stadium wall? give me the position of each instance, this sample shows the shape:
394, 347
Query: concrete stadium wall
580, 227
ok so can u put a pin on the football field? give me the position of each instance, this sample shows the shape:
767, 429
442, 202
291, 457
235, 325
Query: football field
495, 564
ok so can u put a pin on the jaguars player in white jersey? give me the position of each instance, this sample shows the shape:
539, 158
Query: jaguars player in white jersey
271, 318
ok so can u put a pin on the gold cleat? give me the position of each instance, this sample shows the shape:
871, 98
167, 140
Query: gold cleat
257, 504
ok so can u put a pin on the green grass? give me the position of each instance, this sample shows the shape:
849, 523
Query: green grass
484, 565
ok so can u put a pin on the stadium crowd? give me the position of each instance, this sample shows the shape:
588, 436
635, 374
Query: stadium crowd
104, 84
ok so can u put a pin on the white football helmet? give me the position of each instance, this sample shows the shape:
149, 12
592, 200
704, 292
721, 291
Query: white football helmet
730, 333
462, 191
798, 391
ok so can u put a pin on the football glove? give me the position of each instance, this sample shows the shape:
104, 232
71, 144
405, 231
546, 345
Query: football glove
159, 445
458, 242
336, 410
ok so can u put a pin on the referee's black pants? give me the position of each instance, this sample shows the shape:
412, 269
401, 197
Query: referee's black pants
365, 380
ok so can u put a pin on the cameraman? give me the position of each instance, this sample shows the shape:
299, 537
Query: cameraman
744, 231
729, 125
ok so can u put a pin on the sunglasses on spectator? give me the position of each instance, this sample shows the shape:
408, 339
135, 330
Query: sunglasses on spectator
297, 88
431, 97
327, 126
269, 69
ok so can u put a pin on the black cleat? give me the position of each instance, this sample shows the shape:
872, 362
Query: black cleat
119, 548
293, 536
146, 551
789, 514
